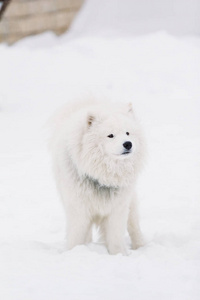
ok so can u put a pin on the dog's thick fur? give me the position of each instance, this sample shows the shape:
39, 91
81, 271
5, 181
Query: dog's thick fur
95, 176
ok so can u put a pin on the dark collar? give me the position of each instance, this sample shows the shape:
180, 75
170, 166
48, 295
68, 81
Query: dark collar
97, 185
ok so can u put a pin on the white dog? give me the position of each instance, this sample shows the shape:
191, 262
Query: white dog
97, 153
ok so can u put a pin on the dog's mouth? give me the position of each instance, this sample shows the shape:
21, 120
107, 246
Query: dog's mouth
126, 152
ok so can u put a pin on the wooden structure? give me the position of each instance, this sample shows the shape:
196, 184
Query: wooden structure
22, 18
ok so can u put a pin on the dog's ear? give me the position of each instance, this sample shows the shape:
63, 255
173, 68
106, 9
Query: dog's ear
130, 108
93, 118
90, 120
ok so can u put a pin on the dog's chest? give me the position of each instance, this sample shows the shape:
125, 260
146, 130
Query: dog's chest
99, 198
94, 188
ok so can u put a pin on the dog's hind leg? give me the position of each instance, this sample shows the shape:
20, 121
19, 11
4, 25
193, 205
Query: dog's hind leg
89, 235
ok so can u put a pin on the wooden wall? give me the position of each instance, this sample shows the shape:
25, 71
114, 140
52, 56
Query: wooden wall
29, 17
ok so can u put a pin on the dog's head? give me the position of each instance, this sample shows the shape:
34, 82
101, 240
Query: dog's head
112, 146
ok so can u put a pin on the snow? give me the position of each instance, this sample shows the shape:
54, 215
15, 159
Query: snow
159, 73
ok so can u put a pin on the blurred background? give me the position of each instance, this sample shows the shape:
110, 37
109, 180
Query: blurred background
21, 18
142, 51
24, 18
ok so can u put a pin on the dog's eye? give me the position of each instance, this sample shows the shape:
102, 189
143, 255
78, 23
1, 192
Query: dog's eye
127, 133
110, 135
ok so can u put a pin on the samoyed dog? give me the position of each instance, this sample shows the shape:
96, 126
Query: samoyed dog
98, 151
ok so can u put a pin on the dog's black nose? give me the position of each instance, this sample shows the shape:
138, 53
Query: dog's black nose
127, 145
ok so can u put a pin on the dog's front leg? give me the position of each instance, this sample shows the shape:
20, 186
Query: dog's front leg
133, 226
115, 228
78, 225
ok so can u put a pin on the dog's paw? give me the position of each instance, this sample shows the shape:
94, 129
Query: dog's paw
113, 250
137, 243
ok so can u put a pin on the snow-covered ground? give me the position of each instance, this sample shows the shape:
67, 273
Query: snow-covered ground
160, 74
